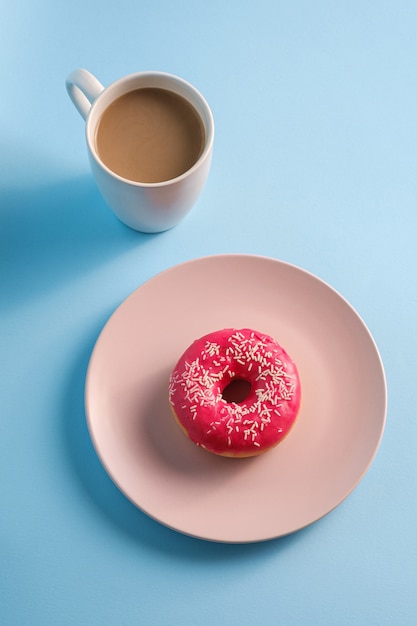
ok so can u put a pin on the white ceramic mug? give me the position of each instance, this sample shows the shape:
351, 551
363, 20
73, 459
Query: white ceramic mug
147, 207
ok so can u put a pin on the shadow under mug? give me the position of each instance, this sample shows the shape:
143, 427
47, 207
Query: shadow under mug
146, 207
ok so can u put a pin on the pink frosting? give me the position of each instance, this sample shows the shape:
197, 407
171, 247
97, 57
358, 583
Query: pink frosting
243, 428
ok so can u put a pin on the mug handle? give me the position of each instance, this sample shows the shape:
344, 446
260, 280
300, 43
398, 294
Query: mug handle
83, 88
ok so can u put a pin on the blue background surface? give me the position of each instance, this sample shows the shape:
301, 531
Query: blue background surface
315, 163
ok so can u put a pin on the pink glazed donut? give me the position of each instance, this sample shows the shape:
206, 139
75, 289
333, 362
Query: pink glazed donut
235, 393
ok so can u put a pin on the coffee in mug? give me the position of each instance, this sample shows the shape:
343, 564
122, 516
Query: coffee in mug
150, 135
150, 143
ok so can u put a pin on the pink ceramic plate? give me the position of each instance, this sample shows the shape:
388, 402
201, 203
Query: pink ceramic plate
186, 488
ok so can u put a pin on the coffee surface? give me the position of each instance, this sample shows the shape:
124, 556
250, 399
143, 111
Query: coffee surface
150, 135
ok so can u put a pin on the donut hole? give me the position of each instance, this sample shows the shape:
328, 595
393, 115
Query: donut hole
237, 390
